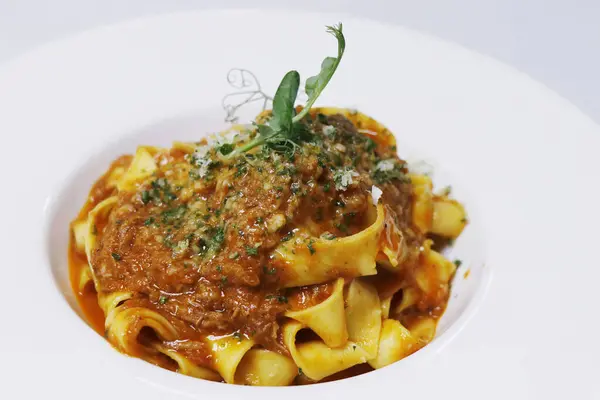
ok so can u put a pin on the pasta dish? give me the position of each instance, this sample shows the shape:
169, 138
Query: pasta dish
295, 250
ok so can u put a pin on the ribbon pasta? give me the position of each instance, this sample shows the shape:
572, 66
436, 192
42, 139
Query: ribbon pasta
382, 279
350, 256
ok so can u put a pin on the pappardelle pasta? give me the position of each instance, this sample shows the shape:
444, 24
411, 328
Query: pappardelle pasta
290, 251
266, 269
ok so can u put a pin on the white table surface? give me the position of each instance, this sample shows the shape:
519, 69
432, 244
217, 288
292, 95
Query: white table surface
556, 42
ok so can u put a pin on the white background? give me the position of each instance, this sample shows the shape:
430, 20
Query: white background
557, 42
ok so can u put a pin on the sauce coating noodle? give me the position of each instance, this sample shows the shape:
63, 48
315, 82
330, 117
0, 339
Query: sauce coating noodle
274, 267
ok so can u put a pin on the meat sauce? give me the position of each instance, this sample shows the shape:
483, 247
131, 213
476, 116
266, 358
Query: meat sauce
197, 247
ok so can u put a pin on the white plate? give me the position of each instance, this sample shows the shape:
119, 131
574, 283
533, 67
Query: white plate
522, 158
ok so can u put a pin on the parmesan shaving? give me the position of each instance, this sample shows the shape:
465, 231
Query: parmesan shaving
385, 165
375, 194
343, 178
420, 167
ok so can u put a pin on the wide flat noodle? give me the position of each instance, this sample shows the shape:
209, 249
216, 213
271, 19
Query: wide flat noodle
185, 366
85, 277
142, 166
95, 216
422, 202
410, 297
352, 323
350, 256
186, 147
261, 367
449, 217
365, 124
108, 302
395, 343
228, 352
423, 330
363, 316
80, 232
385, 306
125, 324
434, 271
115, 175
316, 359
327, 318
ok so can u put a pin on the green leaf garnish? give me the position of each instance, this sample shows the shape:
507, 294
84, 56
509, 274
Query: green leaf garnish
315, 84
283, 132
283, 102
226, 148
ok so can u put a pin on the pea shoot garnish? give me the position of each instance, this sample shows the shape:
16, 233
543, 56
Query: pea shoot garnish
283, 131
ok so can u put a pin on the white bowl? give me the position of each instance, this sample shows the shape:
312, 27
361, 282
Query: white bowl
521, 158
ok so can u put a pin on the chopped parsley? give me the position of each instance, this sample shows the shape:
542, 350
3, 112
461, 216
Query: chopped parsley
149, 221
241, 169
287, 171
172, 215
216, 242
370, 145
251, 251
386, 171
160, 191
281, 299
116, 256
162, 299
458, 263
311, 247
146, 197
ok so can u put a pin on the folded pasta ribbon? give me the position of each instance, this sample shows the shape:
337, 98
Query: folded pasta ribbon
349, 256
97, 217
237, 362
362, 320
142, 166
